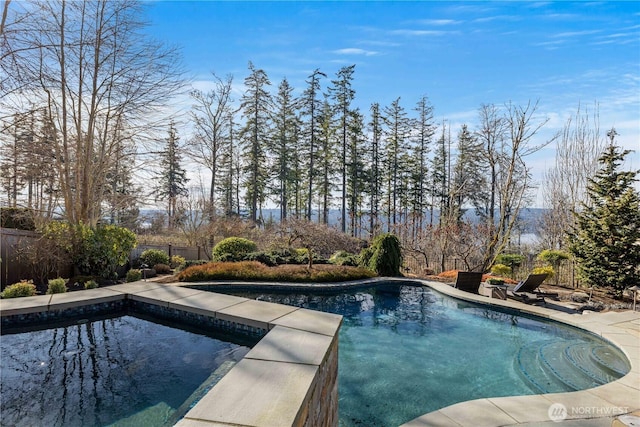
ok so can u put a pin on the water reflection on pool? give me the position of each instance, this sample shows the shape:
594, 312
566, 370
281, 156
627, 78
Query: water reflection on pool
116, 371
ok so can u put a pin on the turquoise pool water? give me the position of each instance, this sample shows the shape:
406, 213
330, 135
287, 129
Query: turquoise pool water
122, 371
411, 351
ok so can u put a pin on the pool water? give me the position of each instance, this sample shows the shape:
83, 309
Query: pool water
411, 351
122, 371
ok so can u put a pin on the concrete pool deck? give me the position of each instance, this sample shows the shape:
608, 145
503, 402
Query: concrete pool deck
273, 384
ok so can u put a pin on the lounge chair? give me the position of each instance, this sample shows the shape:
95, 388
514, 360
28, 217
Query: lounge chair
468, 281
527, 290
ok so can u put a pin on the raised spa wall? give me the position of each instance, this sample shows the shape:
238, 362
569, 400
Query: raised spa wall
289, 378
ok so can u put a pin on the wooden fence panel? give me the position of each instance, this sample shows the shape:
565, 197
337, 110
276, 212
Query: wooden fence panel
13, 268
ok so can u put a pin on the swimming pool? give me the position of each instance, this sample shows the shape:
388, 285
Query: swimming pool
112, 371
407, 350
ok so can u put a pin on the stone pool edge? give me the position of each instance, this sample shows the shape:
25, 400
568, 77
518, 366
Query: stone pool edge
603, 403
289, 378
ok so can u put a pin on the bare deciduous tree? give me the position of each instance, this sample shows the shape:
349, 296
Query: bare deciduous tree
577, 151
509, 138
211, 113
89, 65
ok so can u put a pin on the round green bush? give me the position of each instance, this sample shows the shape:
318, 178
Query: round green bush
57, 286
151, 257
133, 275
90, 284
510, 260
501, 270
233, 249
547, 269
176, 261
23, 288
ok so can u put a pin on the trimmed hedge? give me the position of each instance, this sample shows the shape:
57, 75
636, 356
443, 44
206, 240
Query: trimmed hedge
256, 271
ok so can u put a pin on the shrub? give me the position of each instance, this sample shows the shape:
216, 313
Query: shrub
233, 249
554, 258
133, 275
176, 261
501, 270
384, 256
282, 255
262, 257
152, 257
344, 258
18, 218
546, 269
23, 288
189, 263
90, 284
162, 269
513, 261
57, 286
253, 270
94, 251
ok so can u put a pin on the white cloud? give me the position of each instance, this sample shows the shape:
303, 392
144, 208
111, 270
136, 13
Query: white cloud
574, 34
355, 51
421, 32
439, 22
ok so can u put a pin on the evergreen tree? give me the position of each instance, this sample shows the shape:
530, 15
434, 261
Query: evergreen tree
375, 169
311, 107
283, 144
342, 94
172, 178
230, 172
397, 131
122, 193
440, 177
327, 161
605, 238
467, 173
355, 180
424, 131
257, 106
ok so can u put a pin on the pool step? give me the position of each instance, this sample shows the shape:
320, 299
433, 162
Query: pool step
155, 415
204, 388
560, 366
611, 360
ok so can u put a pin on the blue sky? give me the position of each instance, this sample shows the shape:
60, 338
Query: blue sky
459, 54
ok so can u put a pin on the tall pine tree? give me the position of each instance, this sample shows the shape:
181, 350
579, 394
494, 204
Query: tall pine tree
257, 107
173, 177
605, 240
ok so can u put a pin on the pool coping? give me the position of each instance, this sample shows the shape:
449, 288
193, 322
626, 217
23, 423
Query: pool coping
277, 381
599, 405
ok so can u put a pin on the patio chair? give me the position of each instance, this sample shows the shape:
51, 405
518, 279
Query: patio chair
468, 281
527, 290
